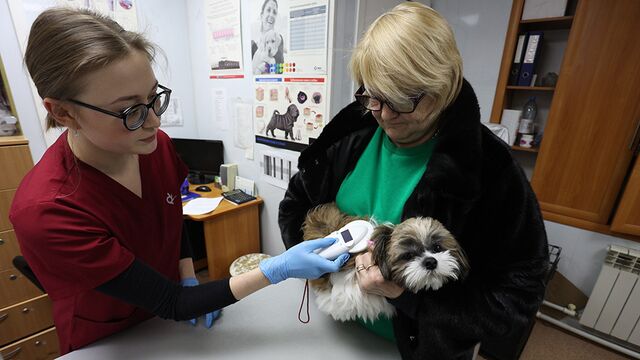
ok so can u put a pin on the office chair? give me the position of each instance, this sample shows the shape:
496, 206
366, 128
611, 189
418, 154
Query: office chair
511, 347
21, 264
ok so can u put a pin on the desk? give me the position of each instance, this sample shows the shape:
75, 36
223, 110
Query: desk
263, 326
230, 231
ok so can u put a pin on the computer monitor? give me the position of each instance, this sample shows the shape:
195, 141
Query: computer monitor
203, 157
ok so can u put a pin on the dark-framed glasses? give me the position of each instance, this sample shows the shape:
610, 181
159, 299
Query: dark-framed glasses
134, 116
375, 104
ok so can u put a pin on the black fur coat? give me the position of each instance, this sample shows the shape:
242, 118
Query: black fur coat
477, 190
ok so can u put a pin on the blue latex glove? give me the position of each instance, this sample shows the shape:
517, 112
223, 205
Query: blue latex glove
208, 318
301, 262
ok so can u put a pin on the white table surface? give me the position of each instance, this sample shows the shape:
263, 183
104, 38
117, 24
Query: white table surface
262, 326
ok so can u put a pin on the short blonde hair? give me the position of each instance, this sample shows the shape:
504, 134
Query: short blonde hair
66, 44
408, 51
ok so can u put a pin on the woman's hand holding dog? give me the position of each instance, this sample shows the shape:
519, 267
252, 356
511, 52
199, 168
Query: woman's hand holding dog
370, 278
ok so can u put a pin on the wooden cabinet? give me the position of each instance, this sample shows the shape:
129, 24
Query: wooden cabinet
627, 217
41, 346
584, 173
230, 231
26, 323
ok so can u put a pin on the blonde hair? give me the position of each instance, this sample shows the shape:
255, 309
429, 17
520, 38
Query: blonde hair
408, 51
66, 44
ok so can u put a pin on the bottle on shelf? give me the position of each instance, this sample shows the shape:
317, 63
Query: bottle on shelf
526, 128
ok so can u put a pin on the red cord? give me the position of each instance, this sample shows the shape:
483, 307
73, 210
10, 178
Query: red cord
305, 294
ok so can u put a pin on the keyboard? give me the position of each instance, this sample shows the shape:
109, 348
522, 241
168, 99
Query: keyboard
238, 196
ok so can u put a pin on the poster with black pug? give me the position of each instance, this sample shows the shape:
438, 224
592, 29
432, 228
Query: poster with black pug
289, 112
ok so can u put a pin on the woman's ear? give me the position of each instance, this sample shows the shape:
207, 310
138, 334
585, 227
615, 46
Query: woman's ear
62, 112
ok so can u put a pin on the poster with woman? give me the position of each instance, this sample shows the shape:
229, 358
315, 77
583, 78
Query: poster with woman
268, 35
289, 37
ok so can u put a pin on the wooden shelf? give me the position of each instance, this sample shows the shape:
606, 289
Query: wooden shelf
520, 148
13, 140
531, 88
553, 23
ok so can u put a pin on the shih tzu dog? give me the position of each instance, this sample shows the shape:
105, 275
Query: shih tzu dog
417, 254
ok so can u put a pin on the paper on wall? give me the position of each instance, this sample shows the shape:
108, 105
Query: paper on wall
277, 168
243, 129
173, 115
219, 108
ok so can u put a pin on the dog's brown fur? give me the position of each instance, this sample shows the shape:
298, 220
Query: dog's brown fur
322, 221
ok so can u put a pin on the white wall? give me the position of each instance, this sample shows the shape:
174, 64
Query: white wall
480, 27
179, 29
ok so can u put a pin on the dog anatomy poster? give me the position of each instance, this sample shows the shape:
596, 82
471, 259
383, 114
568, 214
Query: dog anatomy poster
289, 36
289, 112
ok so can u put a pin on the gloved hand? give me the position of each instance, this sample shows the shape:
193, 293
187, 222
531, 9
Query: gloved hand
301, 262
208, 318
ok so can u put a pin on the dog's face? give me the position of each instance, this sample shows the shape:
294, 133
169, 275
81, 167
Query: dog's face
293, 111
419, 253
271, 42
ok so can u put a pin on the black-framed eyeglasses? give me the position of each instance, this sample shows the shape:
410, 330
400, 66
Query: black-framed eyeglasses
375, 104
134, 116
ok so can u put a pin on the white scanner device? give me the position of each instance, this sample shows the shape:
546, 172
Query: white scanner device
353, 237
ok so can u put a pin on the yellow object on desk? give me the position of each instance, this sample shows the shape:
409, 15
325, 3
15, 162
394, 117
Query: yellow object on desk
246, 263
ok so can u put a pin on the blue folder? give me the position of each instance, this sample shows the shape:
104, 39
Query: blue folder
531, 55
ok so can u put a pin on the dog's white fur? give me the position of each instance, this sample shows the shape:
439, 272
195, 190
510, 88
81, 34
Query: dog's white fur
345, 301
271, 42
416, 277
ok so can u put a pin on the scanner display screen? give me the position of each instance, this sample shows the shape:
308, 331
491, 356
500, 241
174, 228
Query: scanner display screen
346, 235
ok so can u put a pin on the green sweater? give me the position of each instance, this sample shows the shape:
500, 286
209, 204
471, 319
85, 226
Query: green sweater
379, 185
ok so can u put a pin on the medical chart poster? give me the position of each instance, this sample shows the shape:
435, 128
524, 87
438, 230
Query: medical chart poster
289, 37
289, 112
224, 39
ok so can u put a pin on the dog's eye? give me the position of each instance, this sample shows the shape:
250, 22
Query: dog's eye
436, 248
406, 256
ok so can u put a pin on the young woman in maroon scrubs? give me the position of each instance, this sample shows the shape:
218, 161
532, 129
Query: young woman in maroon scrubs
99, 217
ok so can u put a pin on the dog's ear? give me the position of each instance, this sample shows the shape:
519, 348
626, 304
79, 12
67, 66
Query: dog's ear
322, 220
381, 238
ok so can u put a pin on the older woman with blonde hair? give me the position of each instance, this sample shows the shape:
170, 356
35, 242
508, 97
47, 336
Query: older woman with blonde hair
412, 145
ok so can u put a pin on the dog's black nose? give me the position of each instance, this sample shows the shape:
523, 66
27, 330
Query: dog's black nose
430, 263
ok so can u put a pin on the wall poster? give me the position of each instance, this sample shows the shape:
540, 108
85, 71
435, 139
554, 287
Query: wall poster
224, 39
289, 42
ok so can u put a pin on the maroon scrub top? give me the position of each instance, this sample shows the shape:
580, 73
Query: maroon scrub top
78, 228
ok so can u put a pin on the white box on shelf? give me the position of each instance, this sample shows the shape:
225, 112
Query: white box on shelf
511, 119
538, 9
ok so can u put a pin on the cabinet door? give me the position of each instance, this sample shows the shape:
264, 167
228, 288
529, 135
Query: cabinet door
585, 155
16, 162
6, 197
627, 218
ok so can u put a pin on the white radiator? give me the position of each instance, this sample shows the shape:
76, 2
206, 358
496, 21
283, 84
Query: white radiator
614, 305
